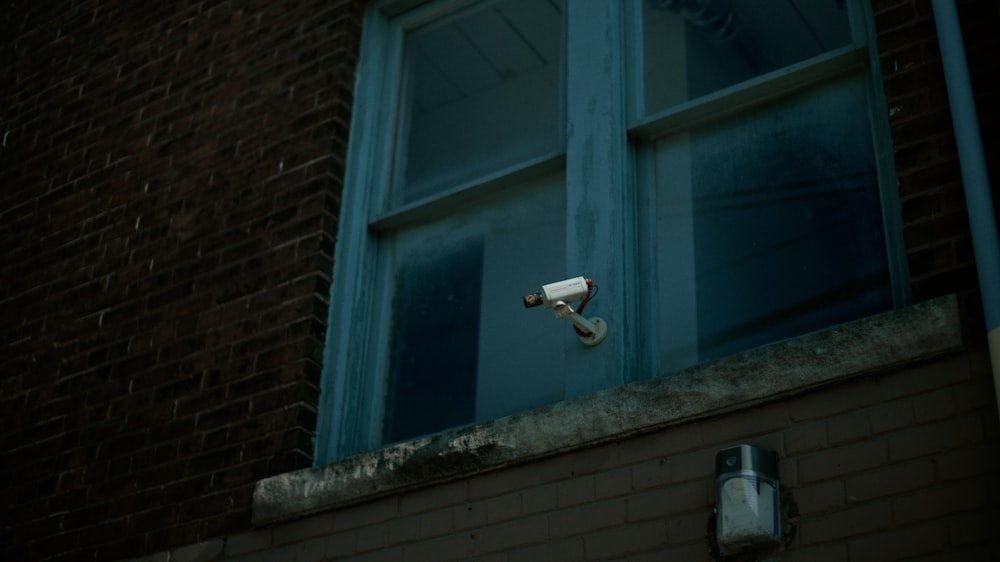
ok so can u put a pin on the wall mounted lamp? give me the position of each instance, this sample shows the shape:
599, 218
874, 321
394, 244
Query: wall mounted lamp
748, 509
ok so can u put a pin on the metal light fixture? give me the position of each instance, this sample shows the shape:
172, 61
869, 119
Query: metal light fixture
748, 510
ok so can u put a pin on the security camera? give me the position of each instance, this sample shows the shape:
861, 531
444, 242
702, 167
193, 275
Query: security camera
569, 290
558, 296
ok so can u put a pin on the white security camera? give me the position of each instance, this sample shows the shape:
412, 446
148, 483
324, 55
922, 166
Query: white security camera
558, 295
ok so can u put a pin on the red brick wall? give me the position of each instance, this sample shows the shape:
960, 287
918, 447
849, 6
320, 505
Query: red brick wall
897, 466
933, 203
169, 186
169, 180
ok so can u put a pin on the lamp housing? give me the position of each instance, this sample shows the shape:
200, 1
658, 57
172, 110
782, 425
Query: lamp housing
748, 509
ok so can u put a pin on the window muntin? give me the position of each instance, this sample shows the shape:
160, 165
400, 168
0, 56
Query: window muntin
691, 48
481, 92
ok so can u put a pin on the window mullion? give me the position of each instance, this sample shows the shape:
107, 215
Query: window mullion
598, 237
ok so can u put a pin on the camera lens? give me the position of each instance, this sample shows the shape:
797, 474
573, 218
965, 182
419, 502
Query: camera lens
532, 300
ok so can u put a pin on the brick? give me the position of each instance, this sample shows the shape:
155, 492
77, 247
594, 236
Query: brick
693, 552
219, 458
436, 523
803, 438
669, 501
613, 483
341, 544
243, 543
397, 531
584, 519
936, 257
693, 465
972, 528
845, 523
820, 497
494, 538
313, 550
842, 461
846, 428
542, 498
302, 529
979, 361
494, 557
575, 491
206, 505
619, 541
940, 501
568, 549
891, 415
819, 553
788, 471
199, 552
688, 526
386, 555
964, 463
978, 395
158, 557
901, 543
433, 498
935, 438
154, 518
651, 474
473, 515
378, 537
503, 508
890, 481
979, 552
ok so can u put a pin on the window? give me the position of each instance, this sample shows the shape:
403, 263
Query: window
715, 169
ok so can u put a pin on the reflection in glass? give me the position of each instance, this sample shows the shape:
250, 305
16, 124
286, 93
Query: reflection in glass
769, 226
436, 345
481, 93
463, 347
695, 47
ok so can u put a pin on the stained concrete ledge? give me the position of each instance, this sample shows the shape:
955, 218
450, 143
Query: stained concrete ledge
875, 344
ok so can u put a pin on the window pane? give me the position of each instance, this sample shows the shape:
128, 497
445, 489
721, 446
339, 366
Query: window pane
696, 47
769, 226
464, 349
432, 358
482, 92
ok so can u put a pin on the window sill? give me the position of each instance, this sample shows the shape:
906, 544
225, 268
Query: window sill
875, 344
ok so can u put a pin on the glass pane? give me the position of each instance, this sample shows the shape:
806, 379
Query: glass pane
482, 92
696, 47
437, 325
464, 348
769, 226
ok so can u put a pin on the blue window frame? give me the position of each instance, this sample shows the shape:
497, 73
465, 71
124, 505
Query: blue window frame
719, 172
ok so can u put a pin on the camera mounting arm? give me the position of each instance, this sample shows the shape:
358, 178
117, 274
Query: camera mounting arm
591, 332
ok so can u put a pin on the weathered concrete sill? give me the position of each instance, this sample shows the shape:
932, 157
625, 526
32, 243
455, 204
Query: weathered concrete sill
875, 344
